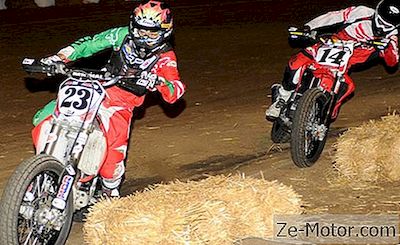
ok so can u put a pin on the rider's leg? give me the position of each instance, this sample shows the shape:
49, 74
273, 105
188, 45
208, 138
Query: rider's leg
279, 98
291, 77
115, 115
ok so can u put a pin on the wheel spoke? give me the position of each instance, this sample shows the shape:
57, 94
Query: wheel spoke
28, 237
34, 242
42, 187
38, 185
308, 128
311, 129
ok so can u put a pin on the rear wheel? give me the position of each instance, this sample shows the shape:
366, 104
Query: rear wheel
309, 132
25, 207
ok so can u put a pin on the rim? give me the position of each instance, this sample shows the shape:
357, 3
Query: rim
37, 222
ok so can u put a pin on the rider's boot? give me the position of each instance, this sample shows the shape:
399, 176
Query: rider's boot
110, 187
280, 96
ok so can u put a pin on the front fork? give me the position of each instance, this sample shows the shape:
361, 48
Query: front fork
329, 106
77, 138
332, 99
64, 188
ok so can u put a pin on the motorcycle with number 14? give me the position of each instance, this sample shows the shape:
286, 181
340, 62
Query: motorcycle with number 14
324, 85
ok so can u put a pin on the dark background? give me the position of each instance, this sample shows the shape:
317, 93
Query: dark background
201, 12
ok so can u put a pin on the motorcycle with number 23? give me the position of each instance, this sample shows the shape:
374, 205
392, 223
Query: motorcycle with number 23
44, 192
315, 103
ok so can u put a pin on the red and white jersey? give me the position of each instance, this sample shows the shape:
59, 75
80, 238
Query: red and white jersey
166, 67
357, 25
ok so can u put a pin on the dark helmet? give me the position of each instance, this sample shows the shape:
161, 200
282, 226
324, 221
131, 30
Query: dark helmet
150, 26
387, 17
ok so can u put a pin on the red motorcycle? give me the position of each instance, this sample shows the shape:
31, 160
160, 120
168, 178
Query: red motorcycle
45, 190
315, 104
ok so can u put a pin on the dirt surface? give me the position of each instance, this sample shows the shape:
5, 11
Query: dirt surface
227, 59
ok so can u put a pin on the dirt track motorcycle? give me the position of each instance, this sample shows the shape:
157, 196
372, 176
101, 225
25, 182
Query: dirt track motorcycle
45, 191
315, 103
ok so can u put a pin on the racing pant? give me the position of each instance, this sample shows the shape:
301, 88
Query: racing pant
115, 115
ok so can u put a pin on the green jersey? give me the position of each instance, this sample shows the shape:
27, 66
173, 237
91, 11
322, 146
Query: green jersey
87, 46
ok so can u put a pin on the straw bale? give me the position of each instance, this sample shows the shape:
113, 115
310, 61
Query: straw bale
216, 210
370, 152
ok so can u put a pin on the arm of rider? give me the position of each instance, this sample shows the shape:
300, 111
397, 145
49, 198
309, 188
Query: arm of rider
310, 33
171, 88
390, 51
343, 16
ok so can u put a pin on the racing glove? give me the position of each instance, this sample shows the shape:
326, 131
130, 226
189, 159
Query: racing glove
50, 60
304, 32
149, 80
390, 51
55, 61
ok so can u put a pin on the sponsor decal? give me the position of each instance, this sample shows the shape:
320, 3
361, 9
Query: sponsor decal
112, 37
70, 170
147, 79
65, 187
137, 61
147, 62
130, 55
172, 64
146, 22
166, 26
28, 61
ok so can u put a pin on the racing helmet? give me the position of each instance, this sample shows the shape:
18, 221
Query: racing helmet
150, 26
387, 17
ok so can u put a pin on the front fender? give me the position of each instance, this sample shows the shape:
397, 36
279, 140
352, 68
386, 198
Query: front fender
322, 78
43, 113
326, 79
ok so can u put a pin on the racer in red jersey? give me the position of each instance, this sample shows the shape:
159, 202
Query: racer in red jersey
354, 23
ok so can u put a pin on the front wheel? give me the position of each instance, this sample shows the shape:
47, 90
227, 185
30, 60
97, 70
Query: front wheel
25, 207
309, 132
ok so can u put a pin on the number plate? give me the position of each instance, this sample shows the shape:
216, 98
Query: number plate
334, 56
77, 97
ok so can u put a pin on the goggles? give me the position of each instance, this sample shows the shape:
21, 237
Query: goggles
148, 33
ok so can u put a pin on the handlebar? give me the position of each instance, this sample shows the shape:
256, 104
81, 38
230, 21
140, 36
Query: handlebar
35, 66
296, 33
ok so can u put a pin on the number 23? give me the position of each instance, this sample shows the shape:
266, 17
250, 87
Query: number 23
82, 94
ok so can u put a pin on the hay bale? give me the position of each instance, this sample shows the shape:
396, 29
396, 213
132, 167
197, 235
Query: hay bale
370, 152
216, 210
